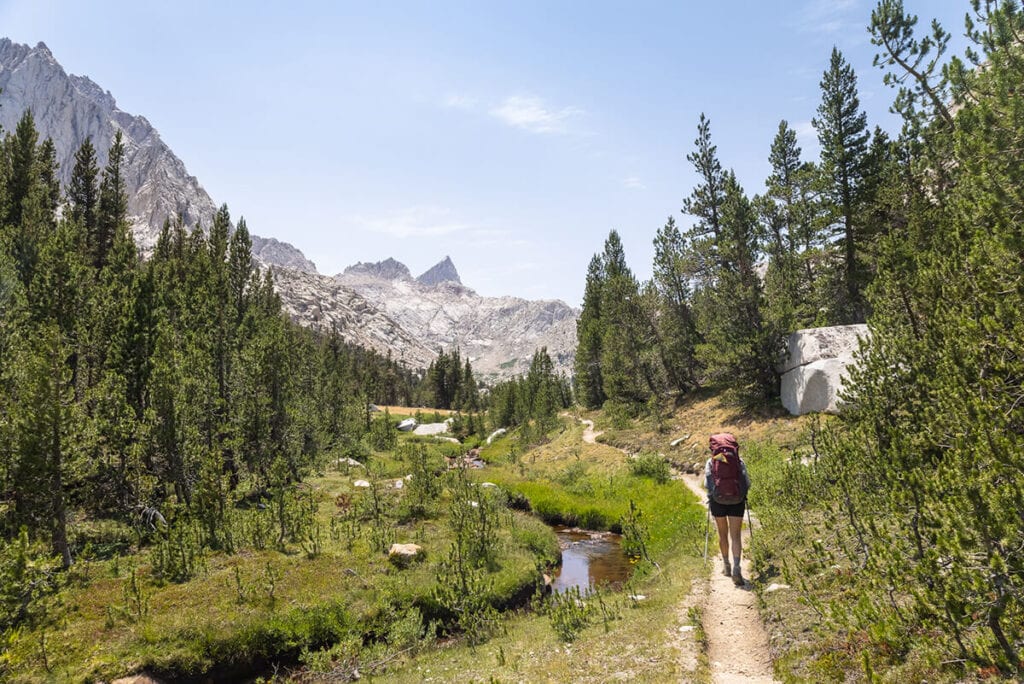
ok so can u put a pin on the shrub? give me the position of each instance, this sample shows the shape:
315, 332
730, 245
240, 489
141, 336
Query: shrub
651, 465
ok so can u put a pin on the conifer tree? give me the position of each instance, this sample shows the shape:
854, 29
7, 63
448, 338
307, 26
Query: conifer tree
83, 196
112, 207
926, 466
626, 333
589, 332
705, 203
794, 242
676, 325
843, 135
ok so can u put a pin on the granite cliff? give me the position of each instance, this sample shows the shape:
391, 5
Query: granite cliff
68, 109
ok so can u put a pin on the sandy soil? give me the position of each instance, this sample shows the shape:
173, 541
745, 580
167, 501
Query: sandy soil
737, 641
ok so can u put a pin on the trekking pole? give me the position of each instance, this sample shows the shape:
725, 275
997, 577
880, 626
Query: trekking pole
750, 524
707, 532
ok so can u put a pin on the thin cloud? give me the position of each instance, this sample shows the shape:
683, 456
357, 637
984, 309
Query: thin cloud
414, 222
633, 183
459, 101
805, 131
829, 17
534, 115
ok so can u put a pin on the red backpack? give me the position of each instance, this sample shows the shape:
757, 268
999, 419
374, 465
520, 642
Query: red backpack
726, 474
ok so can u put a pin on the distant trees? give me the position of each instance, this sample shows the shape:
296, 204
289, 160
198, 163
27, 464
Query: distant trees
533, 400
449, 383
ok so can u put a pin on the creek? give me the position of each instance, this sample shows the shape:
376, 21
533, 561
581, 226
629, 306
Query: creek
590, 559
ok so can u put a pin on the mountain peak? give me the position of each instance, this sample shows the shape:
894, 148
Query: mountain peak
389, 269
442, 272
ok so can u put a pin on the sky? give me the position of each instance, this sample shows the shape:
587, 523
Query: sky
511, 136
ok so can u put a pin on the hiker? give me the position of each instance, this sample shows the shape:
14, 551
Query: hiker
727, 482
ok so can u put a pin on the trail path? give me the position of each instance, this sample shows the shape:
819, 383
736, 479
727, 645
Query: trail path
737, 641
738, 650
589, 436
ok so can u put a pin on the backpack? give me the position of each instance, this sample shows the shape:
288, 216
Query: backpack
726, 473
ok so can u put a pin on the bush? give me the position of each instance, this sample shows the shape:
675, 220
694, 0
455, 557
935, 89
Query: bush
651, 465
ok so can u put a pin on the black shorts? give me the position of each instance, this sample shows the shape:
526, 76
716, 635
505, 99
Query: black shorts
722, 510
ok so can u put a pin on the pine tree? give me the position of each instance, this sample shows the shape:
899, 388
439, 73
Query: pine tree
112, 207
794, 241
589, 332
626, 333
676, 324
843, 135
705, 203
83, 197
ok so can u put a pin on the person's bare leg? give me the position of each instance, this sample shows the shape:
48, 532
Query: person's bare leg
722, 523
735, 524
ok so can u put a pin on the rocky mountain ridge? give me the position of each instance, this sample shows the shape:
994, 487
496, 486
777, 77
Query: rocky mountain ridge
497, 334
68, 109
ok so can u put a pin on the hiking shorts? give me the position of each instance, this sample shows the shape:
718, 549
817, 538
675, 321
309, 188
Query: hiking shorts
721, 510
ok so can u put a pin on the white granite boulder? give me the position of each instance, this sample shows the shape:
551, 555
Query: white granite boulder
815, 368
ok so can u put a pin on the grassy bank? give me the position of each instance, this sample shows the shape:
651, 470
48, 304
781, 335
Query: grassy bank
232, 614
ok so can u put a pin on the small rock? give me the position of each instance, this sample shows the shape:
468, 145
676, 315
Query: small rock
350, 462
680, 440
399, 484
775, 587
488, 484
360, 483
637, 597
402, 555
686, 628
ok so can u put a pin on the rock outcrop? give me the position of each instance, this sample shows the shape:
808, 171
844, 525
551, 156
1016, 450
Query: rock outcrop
68, 109
441, 272
319, 302
389, 269
815, 367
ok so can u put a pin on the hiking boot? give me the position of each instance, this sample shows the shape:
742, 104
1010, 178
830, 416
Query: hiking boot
727, 571
737, 577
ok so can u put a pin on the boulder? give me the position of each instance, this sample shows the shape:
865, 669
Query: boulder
815, 368
402, 555
497, 433
407, 425
431, 428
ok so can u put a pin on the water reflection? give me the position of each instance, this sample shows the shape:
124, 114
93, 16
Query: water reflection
590, 559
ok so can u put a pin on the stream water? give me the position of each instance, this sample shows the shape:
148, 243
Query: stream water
590, 559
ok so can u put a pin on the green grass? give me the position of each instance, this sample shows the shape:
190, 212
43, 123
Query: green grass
254, 606
352, 606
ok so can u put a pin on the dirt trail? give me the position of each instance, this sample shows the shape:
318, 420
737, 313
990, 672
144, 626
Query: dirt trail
737, 641
589, 436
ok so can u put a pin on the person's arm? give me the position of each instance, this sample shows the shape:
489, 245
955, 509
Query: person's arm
707, 476
746, 475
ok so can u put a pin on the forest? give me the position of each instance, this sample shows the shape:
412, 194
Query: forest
916, 489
